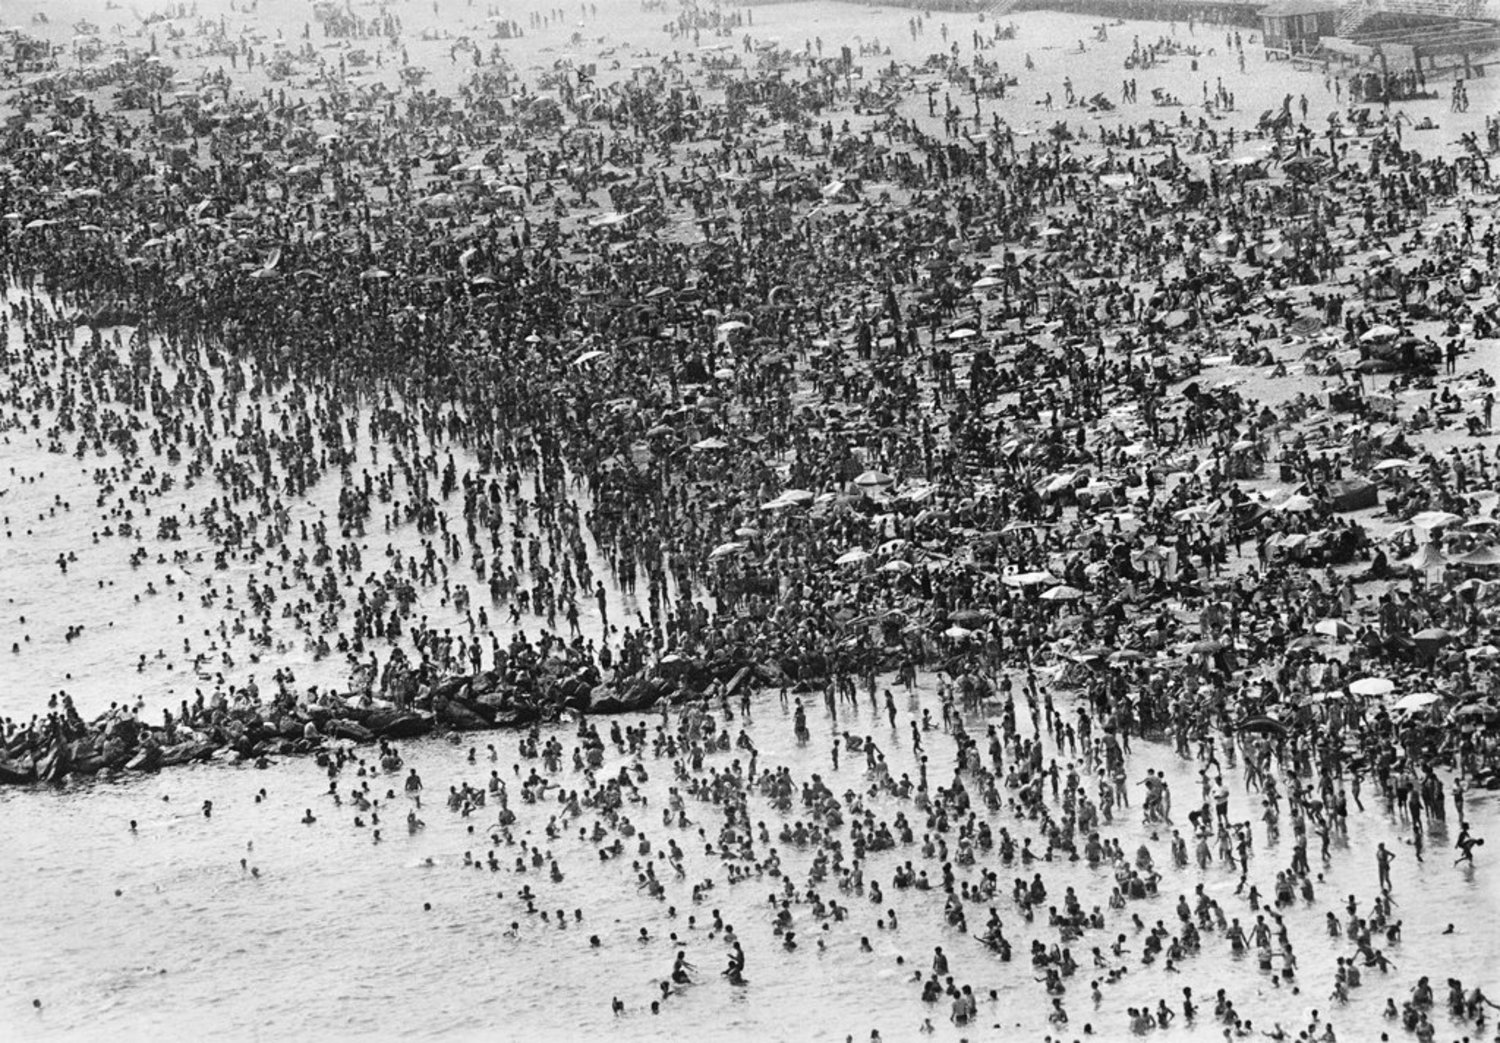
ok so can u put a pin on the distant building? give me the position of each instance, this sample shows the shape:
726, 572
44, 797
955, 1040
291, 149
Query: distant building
1293, 27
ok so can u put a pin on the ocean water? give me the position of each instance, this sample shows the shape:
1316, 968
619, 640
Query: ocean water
161, 931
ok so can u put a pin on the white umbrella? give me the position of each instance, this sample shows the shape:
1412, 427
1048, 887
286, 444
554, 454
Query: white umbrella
962, 333
873, 479
1334, 628
1434, 519
1060, 482
1481, 556
723, 550
1062, 593
730, 326
710, 443
1379, 332
1430, 556
1373, 686
896, 566
1027, 579
852, 557
956, 631
1415, 701
797, 495
588, 356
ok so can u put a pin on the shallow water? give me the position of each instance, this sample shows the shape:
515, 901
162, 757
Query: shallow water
331, 940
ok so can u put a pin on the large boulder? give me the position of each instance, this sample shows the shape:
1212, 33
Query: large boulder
496, 700
185, 752
344, 728
518, 716
398, 724
454, 714
484, 711
607, 705
449, 688
116, 754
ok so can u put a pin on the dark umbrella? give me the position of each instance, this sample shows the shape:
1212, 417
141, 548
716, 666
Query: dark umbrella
1264, 725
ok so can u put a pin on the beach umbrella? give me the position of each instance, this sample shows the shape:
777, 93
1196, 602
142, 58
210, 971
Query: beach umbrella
1295, 504
723, 550
1373, 686
1432, 635
852, 557
1334, 628
896, 566
962, 333
588, 356
730, 326
1380, 331
1027, 579
1475, 711
1263, 725
1428, 557
1481, 556
957, 631
873, 479
1394, 463
1434, 519
1062, 592
1415, 701
1305, 326
708, 444
797, 495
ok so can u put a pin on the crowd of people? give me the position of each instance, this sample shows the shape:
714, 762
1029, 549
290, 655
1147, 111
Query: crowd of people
751, 375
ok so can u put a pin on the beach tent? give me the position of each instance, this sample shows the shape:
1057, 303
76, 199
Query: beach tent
1353, 494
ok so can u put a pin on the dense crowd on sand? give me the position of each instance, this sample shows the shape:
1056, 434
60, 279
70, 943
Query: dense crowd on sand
738, 377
